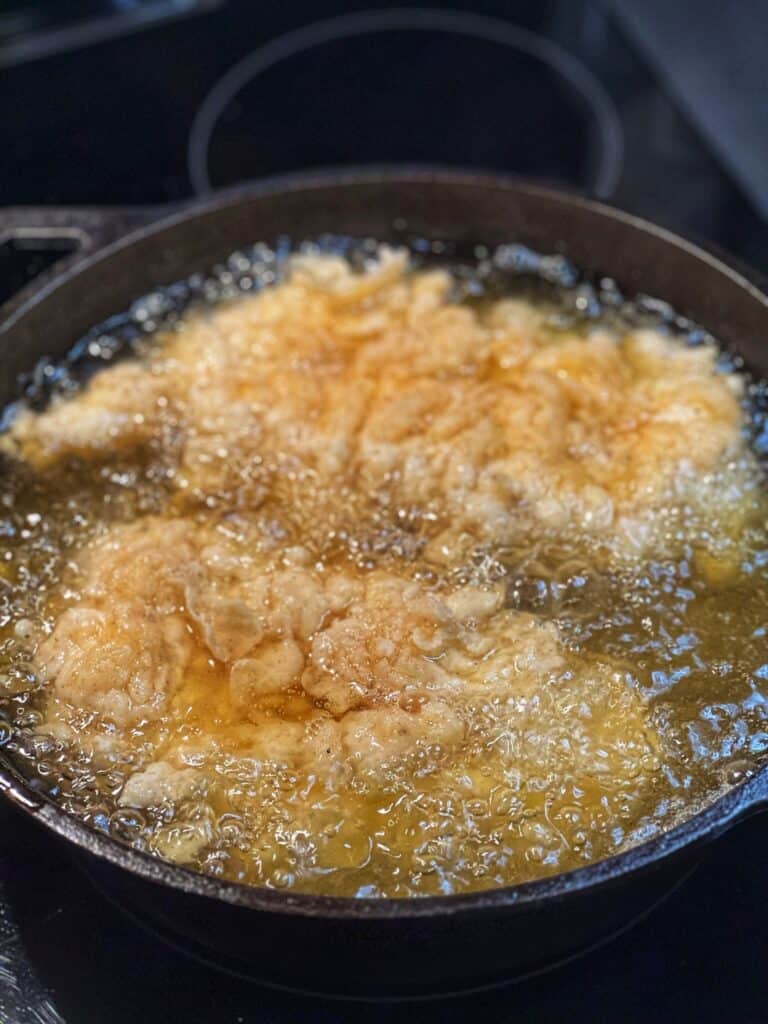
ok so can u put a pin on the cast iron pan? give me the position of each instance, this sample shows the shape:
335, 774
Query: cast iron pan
367, 947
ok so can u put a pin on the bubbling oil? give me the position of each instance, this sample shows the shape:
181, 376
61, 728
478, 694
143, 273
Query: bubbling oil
654, 703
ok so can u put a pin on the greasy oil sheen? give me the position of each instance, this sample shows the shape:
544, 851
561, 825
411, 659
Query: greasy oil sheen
355, 587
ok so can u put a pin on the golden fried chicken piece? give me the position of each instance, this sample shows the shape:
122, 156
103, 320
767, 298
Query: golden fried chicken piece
297, 648
488, 425
188, 652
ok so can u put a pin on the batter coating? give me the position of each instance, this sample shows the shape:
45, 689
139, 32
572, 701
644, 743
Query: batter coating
293, 668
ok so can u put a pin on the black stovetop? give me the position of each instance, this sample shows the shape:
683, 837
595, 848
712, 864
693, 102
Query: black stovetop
133, 103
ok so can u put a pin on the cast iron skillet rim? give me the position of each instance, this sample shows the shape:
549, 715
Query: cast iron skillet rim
705, 824
377, 174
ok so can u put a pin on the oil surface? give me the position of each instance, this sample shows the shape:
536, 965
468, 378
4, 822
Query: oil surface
377, 584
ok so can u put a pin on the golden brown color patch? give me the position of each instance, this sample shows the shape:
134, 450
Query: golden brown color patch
352, 605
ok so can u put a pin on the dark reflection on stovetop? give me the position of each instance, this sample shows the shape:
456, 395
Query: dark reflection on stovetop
118, 127
434, 93
700, 956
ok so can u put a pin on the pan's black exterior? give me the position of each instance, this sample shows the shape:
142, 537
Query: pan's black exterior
370, 947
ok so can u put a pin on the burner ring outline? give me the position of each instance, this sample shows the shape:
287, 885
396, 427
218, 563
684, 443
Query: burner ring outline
608, 123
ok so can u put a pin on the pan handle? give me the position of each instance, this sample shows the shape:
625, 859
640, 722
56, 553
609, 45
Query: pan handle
69, 233
62, 228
